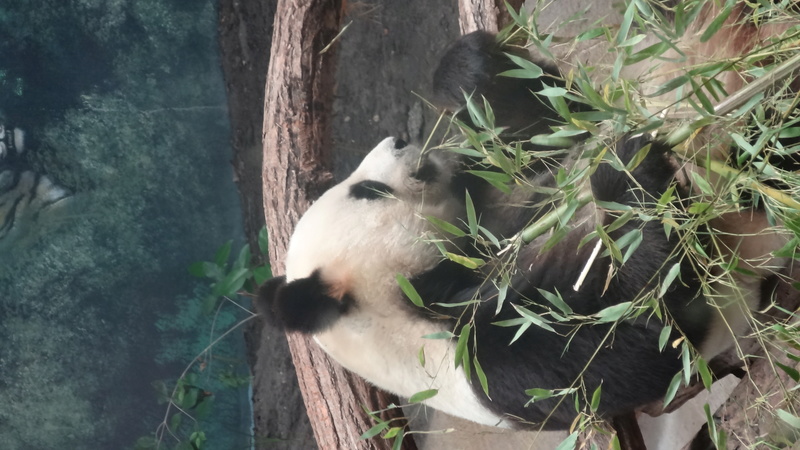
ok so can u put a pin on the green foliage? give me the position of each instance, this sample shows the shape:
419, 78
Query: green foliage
124, 103
213, 383
620, 106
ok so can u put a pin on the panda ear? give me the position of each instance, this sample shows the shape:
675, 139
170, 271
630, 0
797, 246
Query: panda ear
264, 304
303, 305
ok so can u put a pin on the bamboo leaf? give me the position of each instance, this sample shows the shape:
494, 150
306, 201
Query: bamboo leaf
669, 278
468, 262
423, 395
531, 69
461, 346
716, 24
446, 226
663, 338
612, 313
789, 418
596, 399
409, 290
672, 389
481, 376
705, 373
472, 220
556, 300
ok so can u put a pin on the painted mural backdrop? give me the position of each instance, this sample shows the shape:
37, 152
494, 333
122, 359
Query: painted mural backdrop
114, 179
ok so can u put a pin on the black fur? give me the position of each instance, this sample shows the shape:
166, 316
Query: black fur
623, 358
302, 305
370, 190
471, 66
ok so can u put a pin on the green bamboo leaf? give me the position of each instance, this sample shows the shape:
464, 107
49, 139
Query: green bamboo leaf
481, 376
716, 24
705, 373
445, 226
570, 442
468, 262
669, 278
475, 113
671, 85
537, 394
595, 399
636, 238
531, 68
392, 432
663, 338
409, 290
461, 346
699, 208
548, 140
612, 313
702, 183
556, 300
472, 220
686, 359
672, 389
519, 73
440, 335
554, 91
533, 318
561, 107
791, 371
423, 395
375, 430
789, 418
522, 329
624, 27
590, 34
243, 260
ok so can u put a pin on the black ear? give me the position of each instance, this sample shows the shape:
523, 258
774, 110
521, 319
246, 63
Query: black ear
472, 65
653, 174
305, 305
264, 303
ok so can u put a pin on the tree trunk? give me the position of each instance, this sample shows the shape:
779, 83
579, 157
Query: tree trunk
245, 35
297, 169
488, 15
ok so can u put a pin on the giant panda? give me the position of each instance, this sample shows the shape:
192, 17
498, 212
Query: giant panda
383, 224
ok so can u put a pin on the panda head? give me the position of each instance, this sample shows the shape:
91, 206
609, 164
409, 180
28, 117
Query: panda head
362, 232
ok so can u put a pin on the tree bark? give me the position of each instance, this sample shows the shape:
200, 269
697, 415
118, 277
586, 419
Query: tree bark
297, 169
488, 15
245, 36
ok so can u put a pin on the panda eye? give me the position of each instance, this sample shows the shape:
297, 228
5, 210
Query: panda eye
369, 190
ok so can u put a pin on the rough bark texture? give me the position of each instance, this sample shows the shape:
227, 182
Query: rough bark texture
489, 15
296, 170
245, 36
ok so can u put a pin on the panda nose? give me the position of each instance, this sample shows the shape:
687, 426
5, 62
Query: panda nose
400, 144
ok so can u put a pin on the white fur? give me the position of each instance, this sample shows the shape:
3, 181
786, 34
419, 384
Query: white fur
381, 339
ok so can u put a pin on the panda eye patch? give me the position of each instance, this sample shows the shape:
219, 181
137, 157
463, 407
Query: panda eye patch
369, 190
